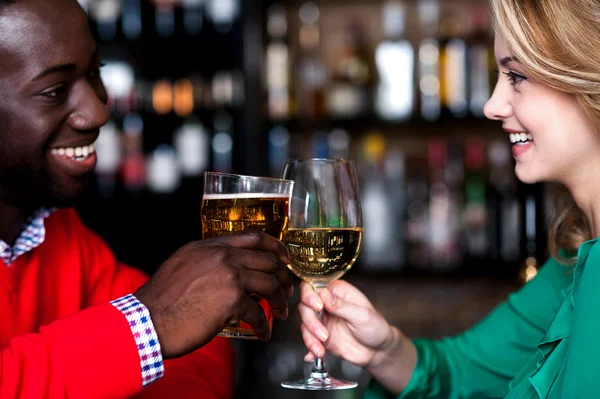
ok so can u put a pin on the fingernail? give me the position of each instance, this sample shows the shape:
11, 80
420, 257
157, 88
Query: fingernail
308, 358
316, 303
322, 335
316, 351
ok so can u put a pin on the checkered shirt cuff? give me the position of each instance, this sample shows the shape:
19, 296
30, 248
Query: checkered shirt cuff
145, 336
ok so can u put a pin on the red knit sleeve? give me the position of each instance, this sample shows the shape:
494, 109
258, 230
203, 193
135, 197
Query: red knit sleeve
87, 355
209, 370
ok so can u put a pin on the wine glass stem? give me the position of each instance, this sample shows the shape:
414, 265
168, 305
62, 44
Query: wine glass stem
318, 369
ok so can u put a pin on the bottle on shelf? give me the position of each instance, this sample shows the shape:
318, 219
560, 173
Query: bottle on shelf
131, 22
417, 210
163, 172
279, 149
164, 18
311, 73
350, 91
395, 60
193, 16
481, 55
108, 155
475, 215
429, 60
382, 248
106, 14
192, 143
133, 163
444, 230
339, 143
278, 64
454, 80
222, 142
222, 13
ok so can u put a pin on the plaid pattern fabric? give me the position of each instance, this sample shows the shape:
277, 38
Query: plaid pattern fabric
138, 316
31, 236
145, 336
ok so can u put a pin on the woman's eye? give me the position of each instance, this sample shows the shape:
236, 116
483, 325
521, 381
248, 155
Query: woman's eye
514, 78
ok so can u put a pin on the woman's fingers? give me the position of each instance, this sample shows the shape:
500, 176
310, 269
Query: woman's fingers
310, 297
356, 315
312, 323
348, 293
315, 347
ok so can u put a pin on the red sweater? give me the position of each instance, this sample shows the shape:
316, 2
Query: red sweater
60, 337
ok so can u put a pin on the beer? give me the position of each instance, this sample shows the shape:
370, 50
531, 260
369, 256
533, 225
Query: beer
224, 214
321, 255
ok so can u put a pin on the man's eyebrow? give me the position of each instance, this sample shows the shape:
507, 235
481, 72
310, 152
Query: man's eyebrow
504, 61
63, 67
55, 69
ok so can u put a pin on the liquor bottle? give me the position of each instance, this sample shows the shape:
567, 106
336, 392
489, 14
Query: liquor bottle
482, 61
132, 19
475, 212
453, 66
108, 155
429, 60
164, 18
222, 142
444, 232
350, 92
279, 149
105, 13
504, 219
163, 173
192, 143
193, 17
162, 97
222, 13
183, 97
339, 144
133, 163
417, 210
395, 60
278, 64
311, 78
381, 248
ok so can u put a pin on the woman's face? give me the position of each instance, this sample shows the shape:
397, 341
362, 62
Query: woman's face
552, 138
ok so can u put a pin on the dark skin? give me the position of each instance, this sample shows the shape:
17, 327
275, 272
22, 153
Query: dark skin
51, 97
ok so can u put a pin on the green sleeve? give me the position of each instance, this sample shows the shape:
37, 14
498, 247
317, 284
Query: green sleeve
482, 361
582, 364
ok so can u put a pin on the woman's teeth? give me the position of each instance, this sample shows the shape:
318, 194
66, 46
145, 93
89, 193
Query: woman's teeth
76, 153
520, 138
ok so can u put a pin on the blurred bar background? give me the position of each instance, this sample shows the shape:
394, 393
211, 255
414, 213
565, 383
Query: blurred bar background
398, 86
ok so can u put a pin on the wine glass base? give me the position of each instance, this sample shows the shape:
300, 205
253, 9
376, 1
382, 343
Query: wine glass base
324, 383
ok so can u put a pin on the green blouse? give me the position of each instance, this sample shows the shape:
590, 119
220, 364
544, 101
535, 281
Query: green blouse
543, 342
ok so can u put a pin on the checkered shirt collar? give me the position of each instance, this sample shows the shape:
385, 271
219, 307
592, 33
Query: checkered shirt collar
32, 236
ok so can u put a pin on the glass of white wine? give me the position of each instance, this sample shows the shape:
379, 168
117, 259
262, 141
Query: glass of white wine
324, 236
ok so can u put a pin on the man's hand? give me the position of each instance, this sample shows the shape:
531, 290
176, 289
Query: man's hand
208, 284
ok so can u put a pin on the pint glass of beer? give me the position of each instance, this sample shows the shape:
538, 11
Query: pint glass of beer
234, 203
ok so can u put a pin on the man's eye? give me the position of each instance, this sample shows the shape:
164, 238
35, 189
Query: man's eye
514, 78
55, 93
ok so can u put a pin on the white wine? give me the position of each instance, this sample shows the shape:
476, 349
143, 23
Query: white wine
321, 255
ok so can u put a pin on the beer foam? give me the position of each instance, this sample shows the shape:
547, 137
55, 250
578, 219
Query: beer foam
245, 196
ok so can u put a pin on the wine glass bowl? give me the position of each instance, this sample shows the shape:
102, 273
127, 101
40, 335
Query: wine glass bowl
324, 236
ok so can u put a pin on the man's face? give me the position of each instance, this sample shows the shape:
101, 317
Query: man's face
52, 102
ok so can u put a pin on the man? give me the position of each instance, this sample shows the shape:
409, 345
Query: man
69, 324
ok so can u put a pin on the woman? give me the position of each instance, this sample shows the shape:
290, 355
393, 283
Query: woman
544, 340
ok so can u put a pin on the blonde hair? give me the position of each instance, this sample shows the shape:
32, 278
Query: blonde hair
557, 42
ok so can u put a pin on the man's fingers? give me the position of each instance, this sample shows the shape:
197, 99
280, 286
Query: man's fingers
310, 298
253, 314
256, 239
315, 347
267, 262
354, 314
266, 285
312, 323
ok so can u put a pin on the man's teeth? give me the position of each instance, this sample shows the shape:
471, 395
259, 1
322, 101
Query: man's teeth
520, 137
75, 152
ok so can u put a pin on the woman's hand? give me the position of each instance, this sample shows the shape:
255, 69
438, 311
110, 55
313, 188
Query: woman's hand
351, 328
